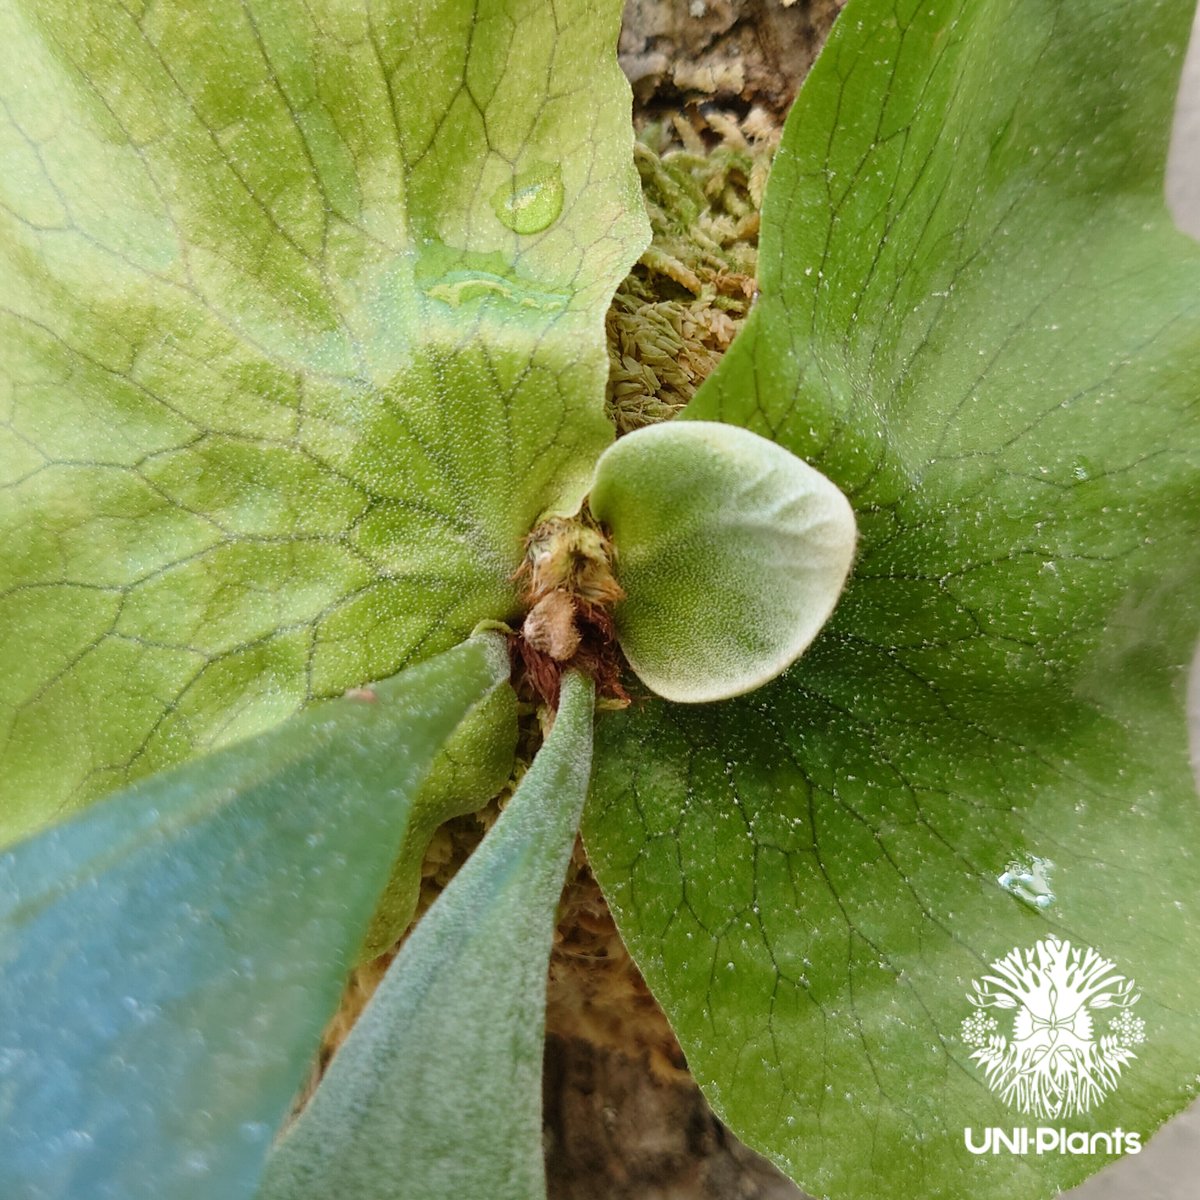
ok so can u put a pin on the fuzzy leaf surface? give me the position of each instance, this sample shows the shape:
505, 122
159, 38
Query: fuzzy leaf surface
978, 320
170, 956
302, 312
438, 1090
732, 553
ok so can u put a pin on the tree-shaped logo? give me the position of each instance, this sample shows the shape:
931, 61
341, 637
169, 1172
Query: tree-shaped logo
1040, 1032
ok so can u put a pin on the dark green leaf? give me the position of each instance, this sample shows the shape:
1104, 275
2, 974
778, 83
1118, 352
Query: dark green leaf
977, 320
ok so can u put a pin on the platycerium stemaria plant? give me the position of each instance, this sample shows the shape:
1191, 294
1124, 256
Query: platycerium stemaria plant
304, 367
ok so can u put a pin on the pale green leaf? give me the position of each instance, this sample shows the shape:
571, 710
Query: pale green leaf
437, 1091
732, 552
170, 956
302, 312
977, 319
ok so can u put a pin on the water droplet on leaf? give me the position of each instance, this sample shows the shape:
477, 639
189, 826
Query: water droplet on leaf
533, 199
1028, 878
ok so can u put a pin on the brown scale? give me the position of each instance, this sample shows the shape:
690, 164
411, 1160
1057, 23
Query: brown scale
569, 593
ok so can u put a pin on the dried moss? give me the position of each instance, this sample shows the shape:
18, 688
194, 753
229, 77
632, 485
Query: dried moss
676, 313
